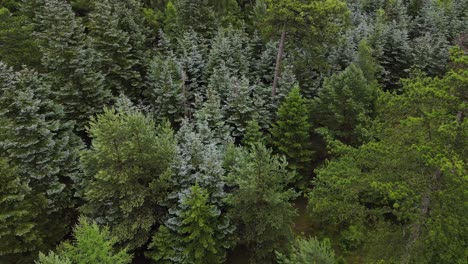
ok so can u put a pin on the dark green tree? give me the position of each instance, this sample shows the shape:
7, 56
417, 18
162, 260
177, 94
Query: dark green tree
118, 33
345, 106
291, 132
260, 202
36, 141
72, 67
164, 91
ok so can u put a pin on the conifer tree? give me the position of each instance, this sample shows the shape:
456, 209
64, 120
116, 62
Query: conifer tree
43, 149
18, 45
232, 47
345, 106
91, 244
291, 132
196, 14
260, 201
306, 251
238, 107
210, 121
18, 231
72, 67
165, 90
199, 228
253, 134
123, 184
220, 81
118, 33
164, 247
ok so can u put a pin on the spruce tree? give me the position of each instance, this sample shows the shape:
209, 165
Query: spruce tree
260, 202
164, 247
125, 173
118, 33
164, 90
44, 150
238, 107
291, 132
210, 121
72, 67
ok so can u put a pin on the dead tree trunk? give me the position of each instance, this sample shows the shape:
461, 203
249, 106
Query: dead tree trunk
278, 63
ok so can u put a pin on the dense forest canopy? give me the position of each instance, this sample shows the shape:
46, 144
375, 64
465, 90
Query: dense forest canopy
233, 131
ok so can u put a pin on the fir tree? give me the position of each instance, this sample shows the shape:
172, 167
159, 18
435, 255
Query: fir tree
210, 122
260, 202
164, 247
72, 67
118, 33
165, 90
198, 230
18, 231
123, 183
291, 132
253, 134
43, 149
238, 107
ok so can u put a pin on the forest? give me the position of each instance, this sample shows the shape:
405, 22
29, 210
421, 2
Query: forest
233, 131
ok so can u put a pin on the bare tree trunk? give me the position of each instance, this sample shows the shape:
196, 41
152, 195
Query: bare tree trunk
278, 63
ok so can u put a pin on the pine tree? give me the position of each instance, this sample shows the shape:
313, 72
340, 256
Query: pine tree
43, 149
91, 244
345, 106
164, 90
123, 184
72, 67
199, 224
291, 132
306, 251
260, 202
118, 33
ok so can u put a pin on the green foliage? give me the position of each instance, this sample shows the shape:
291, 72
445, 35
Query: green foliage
44, 150
306, 251
72, 67
165, 90
260, 202
198, 230
119, 34
91, 244
163, 246
253, 134
345, 107
122, 184
390, 198
16, 212
18, 46
291, 132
